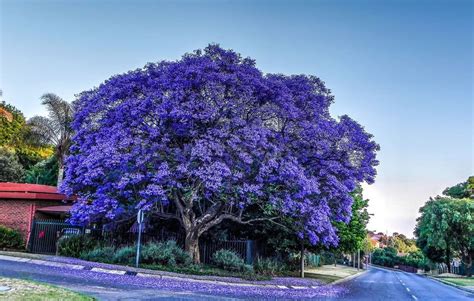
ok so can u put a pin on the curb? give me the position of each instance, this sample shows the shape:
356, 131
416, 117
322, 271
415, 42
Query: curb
152, 275
451, 284
339, 281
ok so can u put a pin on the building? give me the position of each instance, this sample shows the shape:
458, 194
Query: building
377, 240
21, 204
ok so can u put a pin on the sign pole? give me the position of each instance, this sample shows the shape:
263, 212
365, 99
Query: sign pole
140, 222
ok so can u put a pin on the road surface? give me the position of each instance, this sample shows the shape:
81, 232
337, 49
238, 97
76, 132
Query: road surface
376, 284
384, 284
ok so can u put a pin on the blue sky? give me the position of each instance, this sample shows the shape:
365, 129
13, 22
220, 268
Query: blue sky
403, 69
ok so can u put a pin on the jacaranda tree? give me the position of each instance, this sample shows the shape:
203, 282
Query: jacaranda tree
203, 138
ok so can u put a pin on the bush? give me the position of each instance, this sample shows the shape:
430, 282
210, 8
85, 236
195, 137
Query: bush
415, 259
385, 257
268, 266
73, 246
125, 255
230, 261
99, 254
10, 239
165, 253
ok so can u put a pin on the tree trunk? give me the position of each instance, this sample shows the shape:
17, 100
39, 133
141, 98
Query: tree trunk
448, 259
60, 176
60, 170
467, 260
191, 246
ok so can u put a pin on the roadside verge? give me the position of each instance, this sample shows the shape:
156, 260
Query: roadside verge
466, 289
77, 264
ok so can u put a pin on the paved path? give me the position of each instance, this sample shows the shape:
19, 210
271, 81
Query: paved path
384, 284
376, 284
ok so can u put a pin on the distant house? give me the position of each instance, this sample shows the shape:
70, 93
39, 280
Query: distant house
376, 239
21, 204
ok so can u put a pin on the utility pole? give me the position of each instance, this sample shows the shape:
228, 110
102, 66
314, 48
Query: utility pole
140, 223
302, 259
358, 259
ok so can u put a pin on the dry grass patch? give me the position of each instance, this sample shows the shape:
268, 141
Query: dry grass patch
30, 290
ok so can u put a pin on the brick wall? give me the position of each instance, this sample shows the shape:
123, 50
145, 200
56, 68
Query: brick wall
18, 214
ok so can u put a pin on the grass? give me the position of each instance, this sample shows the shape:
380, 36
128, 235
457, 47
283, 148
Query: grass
460, 281
330, 273
206, 270
32, 291
326, 279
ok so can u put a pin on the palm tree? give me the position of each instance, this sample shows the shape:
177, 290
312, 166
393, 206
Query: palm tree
55, 129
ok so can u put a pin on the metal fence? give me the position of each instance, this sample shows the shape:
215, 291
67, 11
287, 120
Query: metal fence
407, 268
460, 269
244, 248
45, 234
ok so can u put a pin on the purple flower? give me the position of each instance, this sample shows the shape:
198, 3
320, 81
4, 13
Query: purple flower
213, 128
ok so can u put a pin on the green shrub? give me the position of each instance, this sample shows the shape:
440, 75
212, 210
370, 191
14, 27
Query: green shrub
385, 257
229, 260
74, 245
165, 253
10, 239
99, 254
268, 266
125, 255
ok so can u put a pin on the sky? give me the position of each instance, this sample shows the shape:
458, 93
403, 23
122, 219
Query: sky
403, 69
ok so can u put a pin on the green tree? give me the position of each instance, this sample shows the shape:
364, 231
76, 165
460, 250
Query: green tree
12, 123
470, 186
433, 231
446, 228
462, 228
15, 137
44, 172
353, 234
458, 191
10, 169
55, 129
402, 243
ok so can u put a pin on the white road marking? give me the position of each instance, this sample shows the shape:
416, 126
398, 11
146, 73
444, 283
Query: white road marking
413, 296
117, 272
407, 289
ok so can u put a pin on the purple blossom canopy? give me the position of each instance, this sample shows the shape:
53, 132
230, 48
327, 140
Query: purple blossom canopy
214, 127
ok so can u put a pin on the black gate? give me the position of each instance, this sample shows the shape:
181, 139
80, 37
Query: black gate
244, 248
45, 234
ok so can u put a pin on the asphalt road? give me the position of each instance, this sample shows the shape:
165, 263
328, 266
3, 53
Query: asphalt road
376, 284
384, 284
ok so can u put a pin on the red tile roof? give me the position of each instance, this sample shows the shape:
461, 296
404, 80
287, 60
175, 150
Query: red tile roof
29, 192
